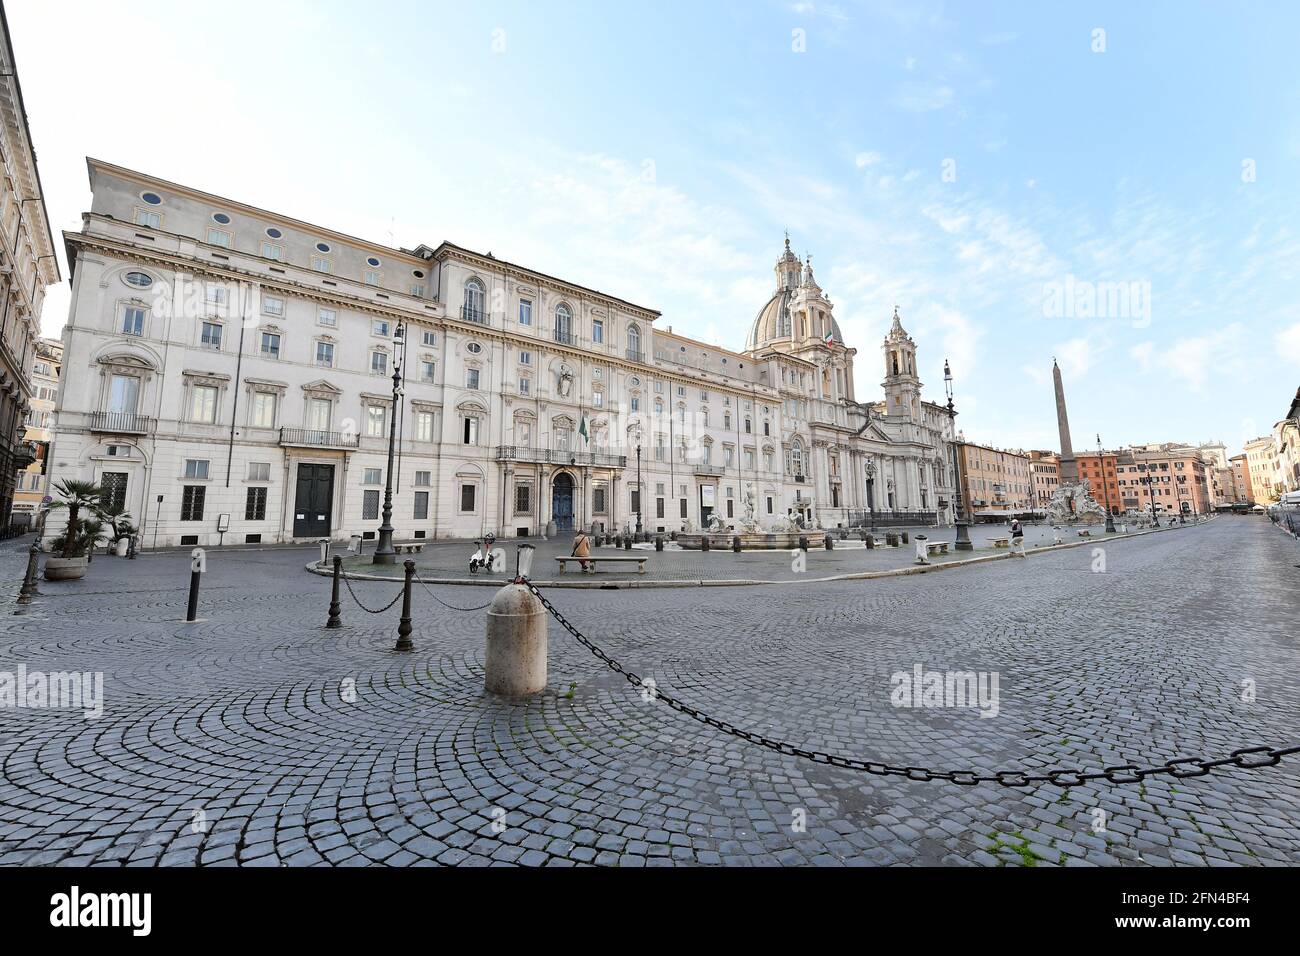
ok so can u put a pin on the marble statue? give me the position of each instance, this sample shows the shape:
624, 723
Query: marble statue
566, 381
715, 523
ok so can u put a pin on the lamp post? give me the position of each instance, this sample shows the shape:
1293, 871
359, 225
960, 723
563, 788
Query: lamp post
963, 542
1105, 487
385, 553
640, 491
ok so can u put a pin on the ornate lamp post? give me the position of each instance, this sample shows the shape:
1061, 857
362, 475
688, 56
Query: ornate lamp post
963, 542
640, 491
1105, 488
385, 553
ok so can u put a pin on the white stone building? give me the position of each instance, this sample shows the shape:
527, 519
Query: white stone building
228, 373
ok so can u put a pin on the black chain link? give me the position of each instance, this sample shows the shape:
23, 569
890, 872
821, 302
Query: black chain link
362, 606
1249, 758
450, 607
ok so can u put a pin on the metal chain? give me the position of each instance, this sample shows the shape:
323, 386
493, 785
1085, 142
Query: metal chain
1249, 758
450, 607
362, 606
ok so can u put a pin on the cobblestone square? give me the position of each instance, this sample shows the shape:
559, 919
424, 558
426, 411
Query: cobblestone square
256, 737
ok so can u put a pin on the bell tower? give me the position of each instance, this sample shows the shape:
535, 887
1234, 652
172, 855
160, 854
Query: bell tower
901, 384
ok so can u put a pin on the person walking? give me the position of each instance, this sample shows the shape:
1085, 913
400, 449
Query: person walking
1017, 537
581, 548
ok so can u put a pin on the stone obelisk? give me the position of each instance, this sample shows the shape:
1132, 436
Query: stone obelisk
1069, 468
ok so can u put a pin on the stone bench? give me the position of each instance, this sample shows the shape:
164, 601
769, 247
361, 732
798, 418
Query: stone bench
408, 547
593, 561
936, 547
1000, 542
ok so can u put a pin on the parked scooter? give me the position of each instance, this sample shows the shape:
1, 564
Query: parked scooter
485, 559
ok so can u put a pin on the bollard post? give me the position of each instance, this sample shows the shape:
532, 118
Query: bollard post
803, 542
335, 619
192, 612
515, 662
735, 544
870, 541
404, 625
903, 537
704, 542
659, 542
922, 555
28, 590
627, 543
830, 542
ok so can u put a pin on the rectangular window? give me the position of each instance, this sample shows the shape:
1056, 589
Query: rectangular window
271, 344
524, 385
124, 394
379, 327
659, 507
422, 479
264, 409
423, 430
112, 485
132, 321
369, 505
417, 290
421, 505
321, 265
429, 338
525, 312
597, 331
636, 501
467, 497
259, 471
372, 278
376, 421
523, 498
426, 371
328, 317
525, 358
203, 404
371, 476
196, 467
210, 335
192, 502
255, 505
325, 354
470, 431
151, 220
683, 508
598, 500
271, 251
378, 363
217, 237
471, 378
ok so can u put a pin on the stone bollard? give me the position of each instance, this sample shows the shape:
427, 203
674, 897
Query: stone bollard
903, 536
891, 539
735, 544
659, 542
803, 542
922, 556
830, 542
515, 662
627, 543
869, 540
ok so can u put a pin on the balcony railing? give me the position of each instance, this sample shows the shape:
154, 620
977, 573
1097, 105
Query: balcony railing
702, 467
606, 458
312, 438
635, 356
477, 316
565, 338
121, 423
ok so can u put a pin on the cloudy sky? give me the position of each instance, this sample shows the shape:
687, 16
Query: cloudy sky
1110, 184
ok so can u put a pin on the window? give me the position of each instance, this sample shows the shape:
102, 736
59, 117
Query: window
319, 413
523, 498
474, 300
264, 404
525, 385
422, 479
563, 323
123, 393
217, 296
471, 378
421, 506
148, 218
371, 476
196, 468
271, 344
376, 421
525, 312
426, 371
328, 317
597, 331
272, 305
369, 505
473, 348
203, 404
636, 403
210, 335
259, 471
417, 290
325, 354
469, 432
525, 358
598, 398
255, 505
423, 431
112, 485
429, 338
274, 233
321, 265
633, 341
372, 278
467, 493
192, 502
659, 507
380, 327
271, 251
152, 199
378, 363
219, 237
132, 321
598, 499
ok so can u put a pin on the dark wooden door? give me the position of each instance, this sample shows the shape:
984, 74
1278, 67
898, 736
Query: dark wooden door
311, 510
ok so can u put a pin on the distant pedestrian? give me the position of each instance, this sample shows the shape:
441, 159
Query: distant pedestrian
1017, 537
581, 548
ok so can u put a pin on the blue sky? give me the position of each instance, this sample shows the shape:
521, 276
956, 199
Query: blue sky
965, 161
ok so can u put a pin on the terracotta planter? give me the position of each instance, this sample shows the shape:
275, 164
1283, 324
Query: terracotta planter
65, 569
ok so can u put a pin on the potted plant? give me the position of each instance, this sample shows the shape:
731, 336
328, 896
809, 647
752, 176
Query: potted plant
120, 528
69, 551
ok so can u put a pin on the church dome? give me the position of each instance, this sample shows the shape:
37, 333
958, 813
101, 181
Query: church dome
774, 322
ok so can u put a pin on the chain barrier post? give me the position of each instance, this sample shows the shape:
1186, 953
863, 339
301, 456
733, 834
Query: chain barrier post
28, 590
404, 625
515, 662
336, 607
198, 564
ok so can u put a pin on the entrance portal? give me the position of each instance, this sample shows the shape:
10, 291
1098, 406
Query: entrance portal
562, 501
311, 510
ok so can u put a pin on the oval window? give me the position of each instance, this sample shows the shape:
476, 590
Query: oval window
372, 261
152, 199
474, 348
274, 233
417, 273
138, 279
221, 217
322, 247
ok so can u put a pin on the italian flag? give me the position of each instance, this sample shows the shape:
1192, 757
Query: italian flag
830, 337
582, 429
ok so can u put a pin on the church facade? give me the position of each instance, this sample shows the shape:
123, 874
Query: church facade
229, 378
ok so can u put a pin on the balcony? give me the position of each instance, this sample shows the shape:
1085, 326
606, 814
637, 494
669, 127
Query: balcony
121, 423
635, 356
311, 438
604, 458
702, 466
565, 338
477, 316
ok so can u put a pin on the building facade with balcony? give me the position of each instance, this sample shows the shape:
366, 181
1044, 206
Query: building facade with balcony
228, 375
1166, 478
27, 267
32, 484
997, 483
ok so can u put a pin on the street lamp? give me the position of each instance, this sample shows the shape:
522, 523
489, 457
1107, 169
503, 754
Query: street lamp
1105, 488
963, 542
385, 553
640, 491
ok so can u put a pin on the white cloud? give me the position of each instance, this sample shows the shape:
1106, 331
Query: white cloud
923, 97
1287, 343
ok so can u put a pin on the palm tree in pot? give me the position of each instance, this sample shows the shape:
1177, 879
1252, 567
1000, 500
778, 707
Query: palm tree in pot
120, 527
69, 552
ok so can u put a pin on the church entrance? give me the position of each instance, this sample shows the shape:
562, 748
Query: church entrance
562, 501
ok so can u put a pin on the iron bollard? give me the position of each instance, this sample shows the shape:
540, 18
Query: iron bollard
659, 542
404, 626
903, 537
192, 612
704, 541
830, 542
28, 590
735, 544
627, 543
335, 619
803, 542
869, 540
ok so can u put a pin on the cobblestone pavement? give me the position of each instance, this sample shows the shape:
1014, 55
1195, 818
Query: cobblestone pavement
445, 560
256, 737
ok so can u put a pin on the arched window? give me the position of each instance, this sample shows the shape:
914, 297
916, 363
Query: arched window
796, 458
475, 298
633, 341
563, 324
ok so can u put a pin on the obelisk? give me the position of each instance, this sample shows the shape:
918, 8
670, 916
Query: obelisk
1069, 468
